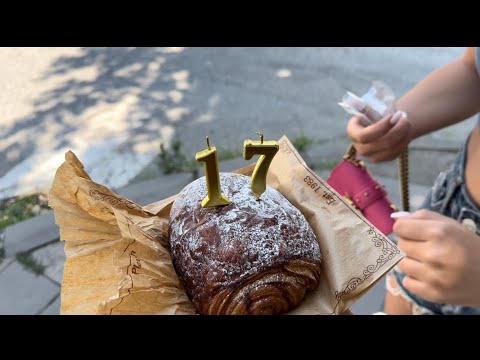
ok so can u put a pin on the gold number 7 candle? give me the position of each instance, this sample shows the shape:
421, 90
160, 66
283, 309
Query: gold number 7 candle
266, 150
214, 196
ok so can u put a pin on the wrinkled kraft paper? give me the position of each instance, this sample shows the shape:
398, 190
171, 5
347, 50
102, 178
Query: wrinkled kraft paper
117, 259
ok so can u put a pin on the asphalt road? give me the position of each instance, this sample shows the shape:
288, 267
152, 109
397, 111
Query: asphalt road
113, 107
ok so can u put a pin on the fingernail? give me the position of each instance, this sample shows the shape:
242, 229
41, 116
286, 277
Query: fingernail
396, 117
399, 214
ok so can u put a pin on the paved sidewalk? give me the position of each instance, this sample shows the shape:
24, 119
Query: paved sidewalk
114, 106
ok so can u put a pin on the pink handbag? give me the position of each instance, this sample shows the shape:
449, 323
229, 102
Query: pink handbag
351, 179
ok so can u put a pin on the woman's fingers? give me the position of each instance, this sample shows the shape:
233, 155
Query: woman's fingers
381, 141
362, 134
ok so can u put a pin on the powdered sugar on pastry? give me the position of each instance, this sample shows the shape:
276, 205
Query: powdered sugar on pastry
225, 246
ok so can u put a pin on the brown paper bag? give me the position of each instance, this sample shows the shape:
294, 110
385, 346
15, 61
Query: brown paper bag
117, 261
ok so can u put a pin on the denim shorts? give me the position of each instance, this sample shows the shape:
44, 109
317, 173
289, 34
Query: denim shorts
448, 196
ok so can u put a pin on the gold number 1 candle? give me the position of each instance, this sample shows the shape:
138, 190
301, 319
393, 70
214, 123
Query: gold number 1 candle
266, 150
214, 196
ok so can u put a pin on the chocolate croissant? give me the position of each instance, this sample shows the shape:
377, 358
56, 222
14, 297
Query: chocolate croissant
249, 257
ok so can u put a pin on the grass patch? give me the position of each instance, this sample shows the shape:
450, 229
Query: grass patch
327, 164
19, 209
303, 142
224, 153
2, 252
174, 160
29, 263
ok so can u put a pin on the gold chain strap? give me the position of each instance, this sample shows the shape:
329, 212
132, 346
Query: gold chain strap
403, 176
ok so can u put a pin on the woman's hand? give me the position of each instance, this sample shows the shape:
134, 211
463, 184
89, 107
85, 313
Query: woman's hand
383, 140
443, 258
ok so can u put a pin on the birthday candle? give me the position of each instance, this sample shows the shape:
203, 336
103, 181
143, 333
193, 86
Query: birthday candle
266, 150
214, 196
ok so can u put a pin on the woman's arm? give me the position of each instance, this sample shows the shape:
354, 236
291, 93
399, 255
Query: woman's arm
445, 97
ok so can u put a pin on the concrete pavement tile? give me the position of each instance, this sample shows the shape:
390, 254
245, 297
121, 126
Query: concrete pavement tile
30, 234
372, 301
5, 262
53, 308
53, 258
23, 292
149, 191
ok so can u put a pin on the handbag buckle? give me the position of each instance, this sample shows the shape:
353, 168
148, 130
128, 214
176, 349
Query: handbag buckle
354, 161
349, 201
